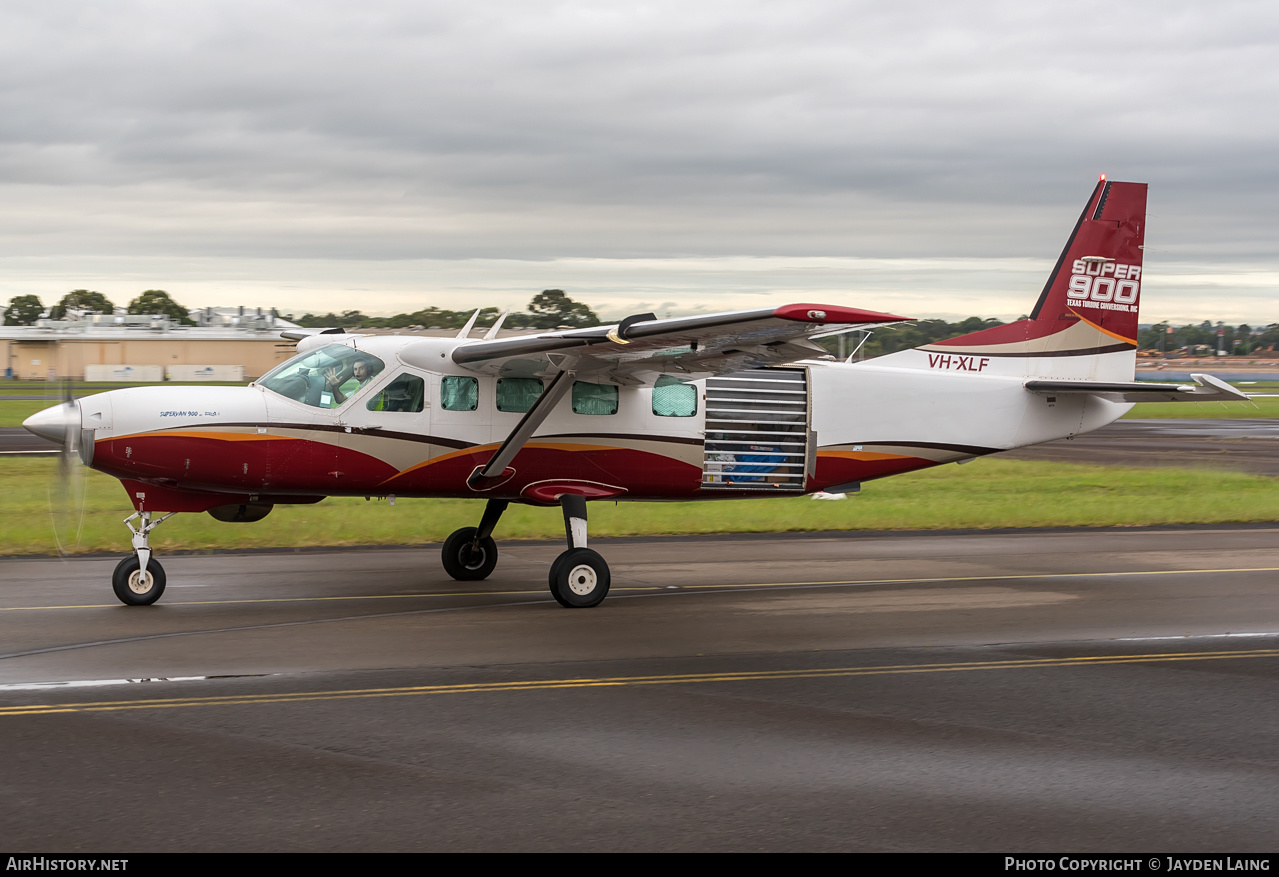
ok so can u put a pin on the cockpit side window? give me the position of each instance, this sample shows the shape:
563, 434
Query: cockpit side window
323, 378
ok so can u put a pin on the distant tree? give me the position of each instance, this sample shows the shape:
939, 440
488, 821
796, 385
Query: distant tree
157, 301
551, 308
23, 310
81, 300
976, 324
1268, 339
346, 320
1152, 337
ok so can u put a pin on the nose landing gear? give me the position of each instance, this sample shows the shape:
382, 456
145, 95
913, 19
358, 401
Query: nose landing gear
139, 579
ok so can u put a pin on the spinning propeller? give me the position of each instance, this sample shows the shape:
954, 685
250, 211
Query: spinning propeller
67, 491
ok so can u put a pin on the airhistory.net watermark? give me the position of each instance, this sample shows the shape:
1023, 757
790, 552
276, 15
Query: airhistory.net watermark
44, 863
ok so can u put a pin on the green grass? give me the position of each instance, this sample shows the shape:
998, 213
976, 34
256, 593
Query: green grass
988, 493
1252, 410
13, 411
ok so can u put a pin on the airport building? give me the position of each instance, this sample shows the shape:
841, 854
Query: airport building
227, 344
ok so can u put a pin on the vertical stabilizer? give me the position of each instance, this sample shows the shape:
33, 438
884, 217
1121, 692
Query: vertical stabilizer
1084, 324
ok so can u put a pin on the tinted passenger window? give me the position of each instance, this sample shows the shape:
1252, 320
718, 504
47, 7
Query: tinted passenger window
459, 393
594, 398
674, 398
517, 394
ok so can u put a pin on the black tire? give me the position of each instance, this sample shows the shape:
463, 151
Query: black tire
465, 561
579, 579
125, 581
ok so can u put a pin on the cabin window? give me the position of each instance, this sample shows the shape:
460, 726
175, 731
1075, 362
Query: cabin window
459, 393
594, 398
674, 398
405, 393
517, 394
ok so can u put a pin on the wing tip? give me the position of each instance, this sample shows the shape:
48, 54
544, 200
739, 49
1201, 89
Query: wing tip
815, 313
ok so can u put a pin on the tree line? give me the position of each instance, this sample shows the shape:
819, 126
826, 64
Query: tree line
549, 309
24, 310
1240, 340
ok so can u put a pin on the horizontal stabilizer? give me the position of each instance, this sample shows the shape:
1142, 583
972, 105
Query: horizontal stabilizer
1206, 388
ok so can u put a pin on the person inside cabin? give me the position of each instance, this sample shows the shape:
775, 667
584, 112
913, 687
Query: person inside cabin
343, 386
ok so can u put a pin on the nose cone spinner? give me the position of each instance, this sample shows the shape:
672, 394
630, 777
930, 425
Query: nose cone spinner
54, 423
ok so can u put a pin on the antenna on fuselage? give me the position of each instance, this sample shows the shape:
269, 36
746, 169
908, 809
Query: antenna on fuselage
866, 333
466, 330
492, 332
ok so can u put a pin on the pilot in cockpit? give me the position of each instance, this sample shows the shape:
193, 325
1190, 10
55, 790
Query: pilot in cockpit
343, 385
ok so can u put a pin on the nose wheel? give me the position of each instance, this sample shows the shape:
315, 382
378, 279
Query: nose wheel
134, 587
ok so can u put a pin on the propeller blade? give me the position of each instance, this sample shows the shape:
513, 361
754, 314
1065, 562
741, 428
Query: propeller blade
67, 492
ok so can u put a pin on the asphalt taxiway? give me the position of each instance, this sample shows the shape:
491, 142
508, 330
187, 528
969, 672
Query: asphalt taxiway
1245, 445
1010, 691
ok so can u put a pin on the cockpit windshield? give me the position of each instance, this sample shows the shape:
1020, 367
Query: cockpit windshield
323, 378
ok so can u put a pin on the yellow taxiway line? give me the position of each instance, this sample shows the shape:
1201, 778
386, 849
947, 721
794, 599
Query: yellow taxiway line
627, 681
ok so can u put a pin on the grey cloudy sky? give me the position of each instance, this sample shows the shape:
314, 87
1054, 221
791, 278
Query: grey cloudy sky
923, 157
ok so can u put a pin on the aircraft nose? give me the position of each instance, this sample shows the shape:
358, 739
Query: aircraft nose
53, 423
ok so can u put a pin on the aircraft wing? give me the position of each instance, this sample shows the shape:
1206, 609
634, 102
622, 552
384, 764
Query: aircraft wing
696, 346
1205, 388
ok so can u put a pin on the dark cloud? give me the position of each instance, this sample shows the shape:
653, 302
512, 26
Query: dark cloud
527, 130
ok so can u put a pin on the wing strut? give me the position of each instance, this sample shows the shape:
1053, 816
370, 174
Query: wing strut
491, 474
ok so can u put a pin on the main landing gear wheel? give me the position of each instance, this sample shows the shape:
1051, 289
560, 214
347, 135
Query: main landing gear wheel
579, 579
465, 559
135, 588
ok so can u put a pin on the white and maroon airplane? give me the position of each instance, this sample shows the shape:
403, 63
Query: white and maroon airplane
721, 406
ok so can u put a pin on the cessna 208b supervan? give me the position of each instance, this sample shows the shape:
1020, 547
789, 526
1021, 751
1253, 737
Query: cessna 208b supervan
717, 406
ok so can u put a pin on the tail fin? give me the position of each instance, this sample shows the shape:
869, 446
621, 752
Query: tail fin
1085, 322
